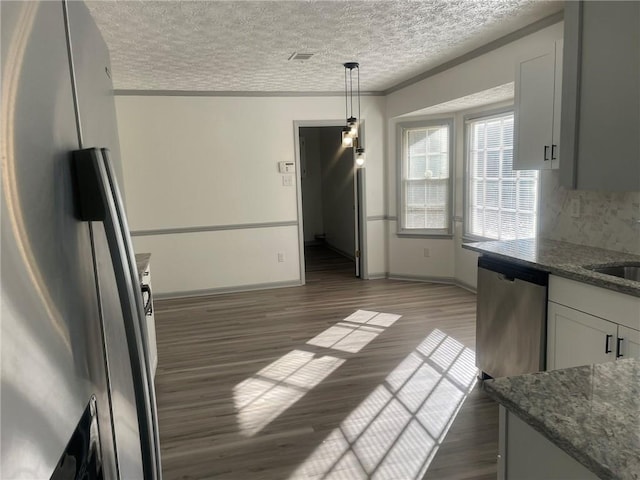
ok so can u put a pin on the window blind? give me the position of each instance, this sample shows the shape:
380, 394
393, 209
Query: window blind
501, 202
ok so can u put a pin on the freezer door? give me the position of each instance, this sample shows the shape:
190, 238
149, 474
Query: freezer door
93, 85
52, 357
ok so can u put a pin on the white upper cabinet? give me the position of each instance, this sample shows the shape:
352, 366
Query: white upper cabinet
537, 110
601, 96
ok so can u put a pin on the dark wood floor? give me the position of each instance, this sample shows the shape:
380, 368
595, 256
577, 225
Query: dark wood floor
340, 378
319, 258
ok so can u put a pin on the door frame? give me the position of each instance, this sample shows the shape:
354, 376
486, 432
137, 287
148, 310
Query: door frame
359, 192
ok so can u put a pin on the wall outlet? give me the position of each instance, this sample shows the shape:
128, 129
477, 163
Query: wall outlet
574, 207
280, 257
287, 180
426, 253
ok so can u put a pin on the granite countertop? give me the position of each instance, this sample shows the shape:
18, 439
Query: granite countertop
563, 259
142, 262
590, 412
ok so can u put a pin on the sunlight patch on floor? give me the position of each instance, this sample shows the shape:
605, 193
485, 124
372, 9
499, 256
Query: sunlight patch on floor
264, 396
355, 332
396, 431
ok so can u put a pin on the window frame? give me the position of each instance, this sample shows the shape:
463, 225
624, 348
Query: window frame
401, 129
467, 236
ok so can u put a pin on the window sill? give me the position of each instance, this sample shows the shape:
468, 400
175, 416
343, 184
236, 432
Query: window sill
438, 236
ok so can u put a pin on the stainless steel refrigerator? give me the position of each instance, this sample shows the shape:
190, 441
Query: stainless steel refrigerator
76, 396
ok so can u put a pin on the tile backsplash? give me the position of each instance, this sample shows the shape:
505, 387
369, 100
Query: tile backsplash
606, 220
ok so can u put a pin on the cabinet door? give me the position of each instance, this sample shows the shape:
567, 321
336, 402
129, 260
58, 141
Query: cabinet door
575, 338
528, 455
629, 343
534, 96
601, 94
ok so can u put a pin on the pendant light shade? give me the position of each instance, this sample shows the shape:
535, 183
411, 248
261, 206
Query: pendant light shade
352, 123
347, 139
360, 156
351, 132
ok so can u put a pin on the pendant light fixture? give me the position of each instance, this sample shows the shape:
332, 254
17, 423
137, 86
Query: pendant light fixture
351, 132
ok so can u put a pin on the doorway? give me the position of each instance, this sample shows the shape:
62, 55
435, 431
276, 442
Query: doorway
331, 208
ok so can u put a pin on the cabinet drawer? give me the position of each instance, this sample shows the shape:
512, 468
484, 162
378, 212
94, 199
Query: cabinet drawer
614, 306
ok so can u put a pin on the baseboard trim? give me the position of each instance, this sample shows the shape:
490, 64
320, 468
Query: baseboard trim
313, 243
377, 276
466, 286
340, 252
420, 278
221, 290
296, 283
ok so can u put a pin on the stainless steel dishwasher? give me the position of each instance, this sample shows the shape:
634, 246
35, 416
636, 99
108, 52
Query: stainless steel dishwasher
511, 318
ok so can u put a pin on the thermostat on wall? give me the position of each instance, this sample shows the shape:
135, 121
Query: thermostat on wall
286, 167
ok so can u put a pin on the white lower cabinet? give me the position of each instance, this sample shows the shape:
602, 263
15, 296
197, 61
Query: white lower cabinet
629, 342
526, 454
576, 338
587, 324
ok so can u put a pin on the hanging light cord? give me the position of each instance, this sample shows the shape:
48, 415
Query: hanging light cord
346, 96
359, 117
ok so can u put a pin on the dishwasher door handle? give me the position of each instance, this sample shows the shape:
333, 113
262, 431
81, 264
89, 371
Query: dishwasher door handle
506, 278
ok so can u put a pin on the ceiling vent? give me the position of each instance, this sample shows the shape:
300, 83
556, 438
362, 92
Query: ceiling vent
300, 56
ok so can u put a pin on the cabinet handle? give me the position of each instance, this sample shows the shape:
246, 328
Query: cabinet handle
546, 153
619, 347
553, 152
607, 344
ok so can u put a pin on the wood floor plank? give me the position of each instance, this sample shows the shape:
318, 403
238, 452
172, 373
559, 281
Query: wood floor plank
340, 378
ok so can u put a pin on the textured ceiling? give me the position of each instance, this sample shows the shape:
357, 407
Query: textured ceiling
501, 93
245, 45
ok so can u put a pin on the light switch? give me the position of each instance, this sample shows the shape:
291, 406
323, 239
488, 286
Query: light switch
286, 167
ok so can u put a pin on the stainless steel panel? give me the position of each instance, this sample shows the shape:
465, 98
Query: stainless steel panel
125, 415
511, 325
51, 342
96, 111
94, 88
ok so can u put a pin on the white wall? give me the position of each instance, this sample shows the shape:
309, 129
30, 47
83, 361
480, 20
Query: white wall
447, 260
211, 162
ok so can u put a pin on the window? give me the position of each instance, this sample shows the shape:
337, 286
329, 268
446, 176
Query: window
500, 203
425, 182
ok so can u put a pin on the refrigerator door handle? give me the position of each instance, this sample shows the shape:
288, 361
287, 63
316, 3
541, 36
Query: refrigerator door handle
100, 200
148, 303
140, 307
